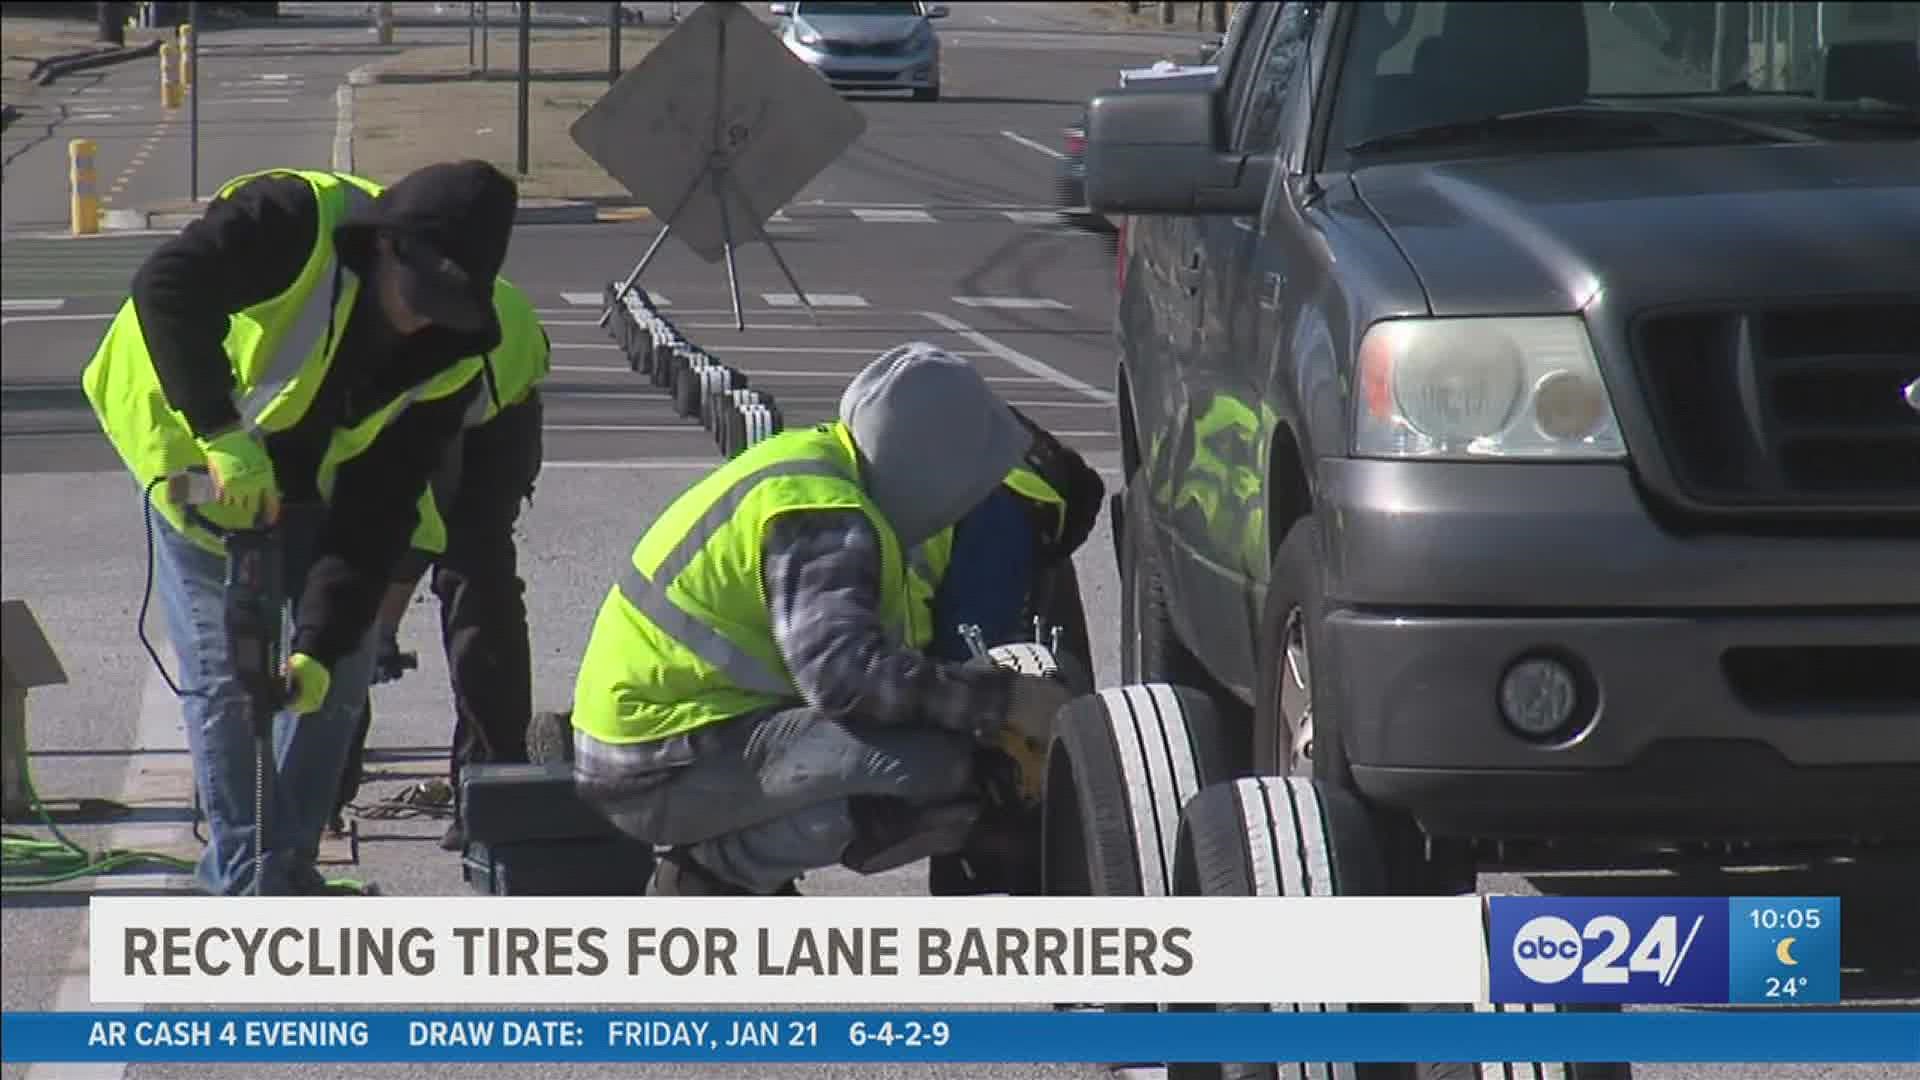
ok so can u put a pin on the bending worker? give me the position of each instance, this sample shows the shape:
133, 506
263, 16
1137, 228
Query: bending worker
479, 492
747, 698
315, 343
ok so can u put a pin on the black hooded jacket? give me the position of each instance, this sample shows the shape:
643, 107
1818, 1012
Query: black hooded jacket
249, 247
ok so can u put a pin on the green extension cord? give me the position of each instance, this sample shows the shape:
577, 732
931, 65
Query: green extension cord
27, 862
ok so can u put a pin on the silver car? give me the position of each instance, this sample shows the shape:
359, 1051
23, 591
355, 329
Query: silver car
876, 46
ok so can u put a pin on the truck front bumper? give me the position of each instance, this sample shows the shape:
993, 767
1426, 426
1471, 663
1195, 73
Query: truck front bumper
1727, 685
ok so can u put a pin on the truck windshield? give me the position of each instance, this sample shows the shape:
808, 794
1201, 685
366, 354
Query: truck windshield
1412, 66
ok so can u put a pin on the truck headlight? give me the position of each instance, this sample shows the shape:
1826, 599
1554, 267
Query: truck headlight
1478, 388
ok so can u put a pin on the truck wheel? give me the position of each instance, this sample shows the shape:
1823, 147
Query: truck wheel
1296, 727
1122, 764
1293, 836
1150, 650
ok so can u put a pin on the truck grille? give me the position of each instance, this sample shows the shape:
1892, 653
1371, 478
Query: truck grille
1792, 408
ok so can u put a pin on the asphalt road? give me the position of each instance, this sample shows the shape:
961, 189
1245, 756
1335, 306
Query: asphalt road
954, 247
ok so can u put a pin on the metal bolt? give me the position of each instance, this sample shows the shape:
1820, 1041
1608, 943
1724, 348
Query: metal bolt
976, 642
1053, 643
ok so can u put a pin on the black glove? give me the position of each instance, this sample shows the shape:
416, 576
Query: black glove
390, 663
1078, 483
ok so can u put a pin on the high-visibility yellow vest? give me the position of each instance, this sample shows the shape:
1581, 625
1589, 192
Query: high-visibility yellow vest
685, 638
280, 351
927, 564
512, 369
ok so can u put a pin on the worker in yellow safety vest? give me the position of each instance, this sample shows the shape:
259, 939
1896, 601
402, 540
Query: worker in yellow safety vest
473, 504
314, 342
750, 697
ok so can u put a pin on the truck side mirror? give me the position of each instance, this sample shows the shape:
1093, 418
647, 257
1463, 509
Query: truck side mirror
1153, 151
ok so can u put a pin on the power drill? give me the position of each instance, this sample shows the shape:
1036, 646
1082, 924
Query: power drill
254, 618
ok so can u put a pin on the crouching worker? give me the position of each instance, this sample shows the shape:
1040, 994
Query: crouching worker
748, 699
313, 342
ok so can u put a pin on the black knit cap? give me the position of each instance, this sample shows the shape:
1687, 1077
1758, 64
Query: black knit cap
450, 225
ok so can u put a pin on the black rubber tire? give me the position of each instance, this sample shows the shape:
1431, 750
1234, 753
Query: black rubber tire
1295, 836
1058, 600
1147, 626
1122, 764
1294, 582
686, 391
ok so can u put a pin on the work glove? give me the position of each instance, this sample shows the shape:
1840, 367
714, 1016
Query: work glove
243, 477
307, 683
1031, 706
390, 663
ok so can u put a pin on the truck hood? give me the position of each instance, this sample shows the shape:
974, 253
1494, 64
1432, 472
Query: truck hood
1549, 233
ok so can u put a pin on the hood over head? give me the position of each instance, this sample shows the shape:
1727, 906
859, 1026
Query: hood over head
450, 224
934, 439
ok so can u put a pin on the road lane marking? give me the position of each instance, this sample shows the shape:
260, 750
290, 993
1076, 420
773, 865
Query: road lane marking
596, 299
1031, 145
818, 350
9, 320
1106, 462
836, 300
766, 373
876, 214
1011, 303
158, 729
32, 305
249, 101
1017, 358
1033, 217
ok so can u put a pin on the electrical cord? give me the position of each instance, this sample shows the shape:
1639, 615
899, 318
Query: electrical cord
30, 862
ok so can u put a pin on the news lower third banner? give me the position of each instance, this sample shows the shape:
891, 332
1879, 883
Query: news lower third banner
209, 1038
950, 951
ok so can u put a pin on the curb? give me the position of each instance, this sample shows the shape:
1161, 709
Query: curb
47, 70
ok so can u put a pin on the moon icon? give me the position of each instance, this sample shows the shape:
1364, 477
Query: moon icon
1784, 952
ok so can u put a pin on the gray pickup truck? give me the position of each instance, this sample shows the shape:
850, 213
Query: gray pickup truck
1520, 413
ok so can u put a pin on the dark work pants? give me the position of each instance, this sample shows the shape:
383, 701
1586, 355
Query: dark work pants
483, 610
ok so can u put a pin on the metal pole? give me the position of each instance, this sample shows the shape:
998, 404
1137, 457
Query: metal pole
1166, 12
471, 44
193, 102
485, 33
613, 44
526, 78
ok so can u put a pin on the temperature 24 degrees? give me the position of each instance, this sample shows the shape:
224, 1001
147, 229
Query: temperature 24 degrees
910, 1034
1784, 950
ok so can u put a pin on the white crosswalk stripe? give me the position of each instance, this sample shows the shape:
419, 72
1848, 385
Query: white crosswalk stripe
874, 214
1011, 303
835, 300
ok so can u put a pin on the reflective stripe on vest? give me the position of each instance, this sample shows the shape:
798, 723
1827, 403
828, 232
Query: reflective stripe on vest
649, 595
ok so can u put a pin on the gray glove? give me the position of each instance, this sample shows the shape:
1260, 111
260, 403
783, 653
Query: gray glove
1031, 706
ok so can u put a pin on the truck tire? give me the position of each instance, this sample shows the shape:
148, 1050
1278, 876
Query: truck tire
1150, 649
1122, 764
1294, 836
1296, 724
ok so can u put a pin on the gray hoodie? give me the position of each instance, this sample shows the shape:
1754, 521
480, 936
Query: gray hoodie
934, 439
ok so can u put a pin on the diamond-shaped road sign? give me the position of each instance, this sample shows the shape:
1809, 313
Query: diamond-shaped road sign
779, 125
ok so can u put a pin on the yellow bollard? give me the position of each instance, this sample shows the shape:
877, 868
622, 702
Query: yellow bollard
81, 182
170, 89
186, 55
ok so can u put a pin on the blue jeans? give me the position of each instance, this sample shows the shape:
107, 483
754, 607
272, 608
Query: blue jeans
307, 752
989, 574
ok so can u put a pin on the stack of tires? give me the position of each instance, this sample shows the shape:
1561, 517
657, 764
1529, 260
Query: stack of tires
700, 386
1149, 792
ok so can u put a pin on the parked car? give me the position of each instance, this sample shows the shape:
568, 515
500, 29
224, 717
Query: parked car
867, 46
1521, 465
